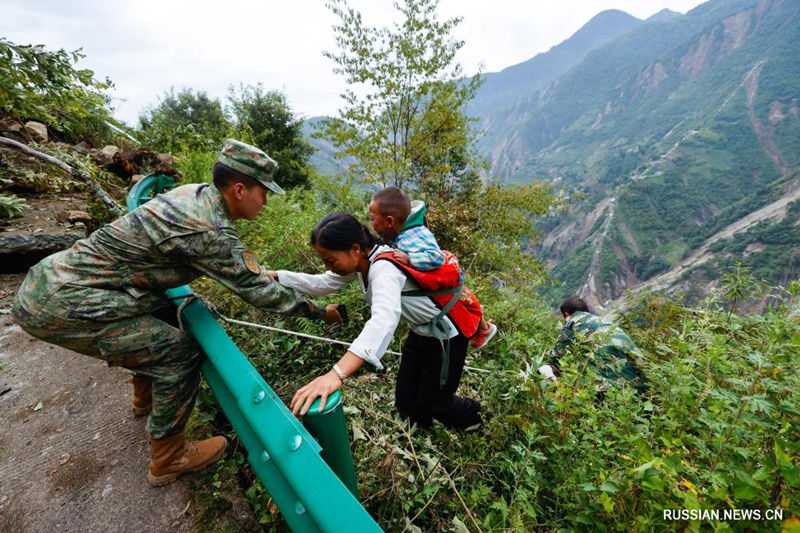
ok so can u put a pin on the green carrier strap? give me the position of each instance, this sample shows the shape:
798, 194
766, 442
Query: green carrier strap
438, 327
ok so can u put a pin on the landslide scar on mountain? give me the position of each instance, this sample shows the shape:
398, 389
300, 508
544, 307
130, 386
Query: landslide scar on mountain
763, 132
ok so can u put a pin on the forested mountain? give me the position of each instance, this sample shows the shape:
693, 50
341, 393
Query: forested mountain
501, 88
501, 100
322, 159
674, 132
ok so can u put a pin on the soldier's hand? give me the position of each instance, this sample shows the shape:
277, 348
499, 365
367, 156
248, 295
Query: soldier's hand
332, 315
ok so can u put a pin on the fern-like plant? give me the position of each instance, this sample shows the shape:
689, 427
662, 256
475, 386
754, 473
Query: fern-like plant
11, 206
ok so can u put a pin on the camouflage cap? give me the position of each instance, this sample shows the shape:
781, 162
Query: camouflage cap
250, 161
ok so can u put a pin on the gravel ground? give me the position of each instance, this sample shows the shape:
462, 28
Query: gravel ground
73, 457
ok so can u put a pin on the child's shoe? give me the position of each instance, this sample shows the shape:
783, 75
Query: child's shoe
483, 336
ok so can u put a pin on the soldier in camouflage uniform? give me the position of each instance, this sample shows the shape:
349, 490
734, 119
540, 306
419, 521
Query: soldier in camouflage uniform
614, 352
104, 296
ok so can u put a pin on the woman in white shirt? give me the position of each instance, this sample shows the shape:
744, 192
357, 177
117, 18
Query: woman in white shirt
348, 250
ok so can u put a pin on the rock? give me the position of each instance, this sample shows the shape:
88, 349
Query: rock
74, 217
82, 148
9, 125
37, 131
166, 165
165, 158
105, 156
136, 178
15, 243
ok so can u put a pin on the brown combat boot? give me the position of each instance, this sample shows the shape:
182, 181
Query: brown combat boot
172, 456
142, 394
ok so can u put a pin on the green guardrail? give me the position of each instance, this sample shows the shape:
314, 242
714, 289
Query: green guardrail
297, 472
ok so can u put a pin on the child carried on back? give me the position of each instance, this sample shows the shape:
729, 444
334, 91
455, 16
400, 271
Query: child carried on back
415, 245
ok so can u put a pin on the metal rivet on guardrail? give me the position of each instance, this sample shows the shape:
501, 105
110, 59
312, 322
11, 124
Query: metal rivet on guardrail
264, 456
295, 442
298, 508
259, 397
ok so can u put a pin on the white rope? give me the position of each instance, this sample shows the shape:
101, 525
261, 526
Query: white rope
215, 312
317, 338
288, 332
187, 301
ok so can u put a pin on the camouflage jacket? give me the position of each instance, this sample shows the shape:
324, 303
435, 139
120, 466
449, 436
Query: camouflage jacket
167, 242
614, 351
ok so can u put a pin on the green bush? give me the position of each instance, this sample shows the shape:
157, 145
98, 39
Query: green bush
196, 165
37, 84
265, 119
185, 120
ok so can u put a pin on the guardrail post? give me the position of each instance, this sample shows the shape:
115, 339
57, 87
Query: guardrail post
330, 430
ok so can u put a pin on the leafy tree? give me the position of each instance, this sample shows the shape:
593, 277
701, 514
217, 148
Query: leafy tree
265, 119
409, 129
37, 84
190, 123
185, 120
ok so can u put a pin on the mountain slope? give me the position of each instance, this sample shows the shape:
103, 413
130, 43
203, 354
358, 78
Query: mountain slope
586, 91
500, 89
323, 159
697, 140
501, 99
689, 125
663, 16
772, 217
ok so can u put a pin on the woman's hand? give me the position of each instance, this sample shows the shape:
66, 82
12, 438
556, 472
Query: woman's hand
273, 274
323, 386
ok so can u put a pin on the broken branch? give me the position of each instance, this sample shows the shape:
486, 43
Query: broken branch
98, 191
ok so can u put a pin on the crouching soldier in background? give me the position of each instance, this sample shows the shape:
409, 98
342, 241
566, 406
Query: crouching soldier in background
613, 353
104, 296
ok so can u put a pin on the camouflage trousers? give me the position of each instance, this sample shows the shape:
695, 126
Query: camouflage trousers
135, 333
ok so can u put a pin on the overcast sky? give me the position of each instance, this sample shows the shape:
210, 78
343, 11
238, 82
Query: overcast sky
148, 46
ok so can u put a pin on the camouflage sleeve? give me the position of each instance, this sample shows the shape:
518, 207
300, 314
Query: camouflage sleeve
224, 258
564, 341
